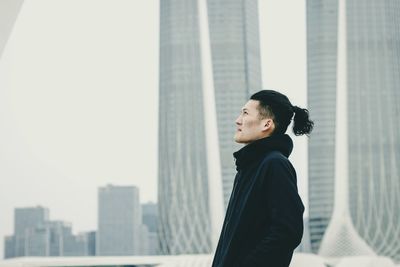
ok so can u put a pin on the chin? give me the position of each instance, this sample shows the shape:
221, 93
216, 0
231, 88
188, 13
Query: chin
239, 140
236, 138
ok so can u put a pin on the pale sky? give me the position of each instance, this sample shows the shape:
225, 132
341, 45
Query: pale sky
79, 99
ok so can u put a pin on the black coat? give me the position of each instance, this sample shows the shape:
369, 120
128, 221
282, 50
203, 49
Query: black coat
264, 219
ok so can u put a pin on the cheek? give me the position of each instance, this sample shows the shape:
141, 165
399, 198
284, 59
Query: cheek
250, 124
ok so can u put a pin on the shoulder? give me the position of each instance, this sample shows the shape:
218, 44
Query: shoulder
276, 164
275, 158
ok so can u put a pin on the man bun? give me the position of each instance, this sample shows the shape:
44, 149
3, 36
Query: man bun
301, 122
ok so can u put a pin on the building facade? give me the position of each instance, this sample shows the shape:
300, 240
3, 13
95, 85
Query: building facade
235, 47
373, 62
183, 195
35, 235
119, 220
26, 220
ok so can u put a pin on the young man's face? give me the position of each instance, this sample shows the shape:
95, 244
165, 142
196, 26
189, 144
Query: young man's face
250, 126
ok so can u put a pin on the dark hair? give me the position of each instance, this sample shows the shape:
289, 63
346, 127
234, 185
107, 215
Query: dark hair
277, 106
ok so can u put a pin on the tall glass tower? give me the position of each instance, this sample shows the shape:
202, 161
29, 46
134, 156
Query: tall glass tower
235, 46
321, 69
183, 195
373, 64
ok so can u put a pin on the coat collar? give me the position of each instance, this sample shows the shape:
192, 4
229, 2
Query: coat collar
257, 149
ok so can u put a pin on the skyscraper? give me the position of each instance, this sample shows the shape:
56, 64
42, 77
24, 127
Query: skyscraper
119, 220
184, 215
235, 47
373, 63
321, 70
26, 220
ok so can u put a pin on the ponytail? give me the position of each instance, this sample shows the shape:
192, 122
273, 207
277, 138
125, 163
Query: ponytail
302, 123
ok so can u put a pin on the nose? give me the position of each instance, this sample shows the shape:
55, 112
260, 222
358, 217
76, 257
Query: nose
238, 120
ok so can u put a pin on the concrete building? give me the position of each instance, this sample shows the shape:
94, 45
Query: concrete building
119, 220
184, 207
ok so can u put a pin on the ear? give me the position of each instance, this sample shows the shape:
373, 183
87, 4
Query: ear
267, 125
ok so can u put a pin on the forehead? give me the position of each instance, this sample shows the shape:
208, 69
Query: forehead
251, 105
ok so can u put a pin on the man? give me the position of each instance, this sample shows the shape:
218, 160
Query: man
264, 219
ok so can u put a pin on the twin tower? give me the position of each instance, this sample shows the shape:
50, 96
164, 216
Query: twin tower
219, 40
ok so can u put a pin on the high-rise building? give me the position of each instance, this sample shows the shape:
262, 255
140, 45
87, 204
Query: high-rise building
235, 47
184, 214
119, 220
373, 67
26, 220
321, 70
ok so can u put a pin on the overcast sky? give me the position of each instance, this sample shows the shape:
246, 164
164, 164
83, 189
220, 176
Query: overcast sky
79, 97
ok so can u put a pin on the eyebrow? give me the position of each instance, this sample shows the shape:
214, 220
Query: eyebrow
243, 109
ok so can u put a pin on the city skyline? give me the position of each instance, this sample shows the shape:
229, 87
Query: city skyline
78, 128
37, 234
48, 216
